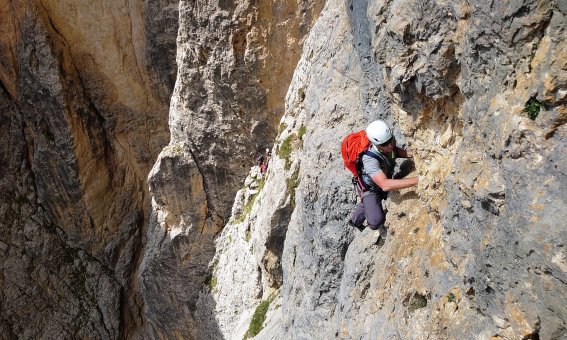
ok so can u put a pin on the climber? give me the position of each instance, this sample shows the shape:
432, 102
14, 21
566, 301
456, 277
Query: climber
263, 160
375, 166
260, 163
267, 157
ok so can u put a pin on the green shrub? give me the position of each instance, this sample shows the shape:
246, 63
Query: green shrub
451, 297
211, 280
534, 50
533, 106
282, 127
213, 283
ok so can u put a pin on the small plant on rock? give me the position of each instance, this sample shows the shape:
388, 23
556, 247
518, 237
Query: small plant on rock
416, 301
301, 132
451, 297
247, 235
301, 93
257, 322
292, 183
284, 152
282, 127
533, 106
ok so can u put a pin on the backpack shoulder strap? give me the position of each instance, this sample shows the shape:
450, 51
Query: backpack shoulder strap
379, 157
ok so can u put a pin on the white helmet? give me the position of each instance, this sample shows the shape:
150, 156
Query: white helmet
378, 132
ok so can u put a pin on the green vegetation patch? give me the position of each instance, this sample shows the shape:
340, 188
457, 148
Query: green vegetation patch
301, 93
281, 128
284, 151
247, 235
451, 297
535, 45
417, 301
301, 132
292, 184
257, 322
533, 106
211, 279
289, 144
213, 283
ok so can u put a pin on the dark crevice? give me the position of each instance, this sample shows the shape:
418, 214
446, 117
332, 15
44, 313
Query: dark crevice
206, 185
5, 90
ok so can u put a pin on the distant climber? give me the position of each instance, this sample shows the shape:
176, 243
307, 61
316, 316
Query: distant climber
370, 155
263, 160
267, 157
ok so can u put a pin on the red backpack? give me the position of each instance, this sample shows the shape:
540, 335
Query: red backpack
353, 146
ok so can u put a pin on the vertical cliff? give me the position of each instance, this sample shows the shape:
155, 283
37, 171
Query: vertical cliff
477, 249
84, 95
124, 214
235, 62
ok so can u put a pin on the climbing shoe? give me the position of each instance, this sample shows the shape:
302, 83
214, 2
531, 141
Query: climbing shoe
359, 227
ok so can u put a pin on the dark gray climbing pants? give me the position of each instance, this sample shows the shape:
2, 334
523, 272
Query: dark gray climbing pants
369, 208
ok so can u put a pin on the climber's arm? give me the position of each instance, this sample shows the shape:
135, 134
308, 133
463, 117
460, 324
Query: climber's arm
393, 184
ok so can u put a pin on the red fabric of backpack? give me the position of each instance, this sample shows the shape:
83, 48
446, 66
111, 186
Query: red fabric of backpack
353, 145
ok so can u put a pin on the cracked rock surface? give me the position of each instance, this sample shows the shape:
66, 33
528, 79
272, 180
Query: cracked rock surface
477, 249
235, 61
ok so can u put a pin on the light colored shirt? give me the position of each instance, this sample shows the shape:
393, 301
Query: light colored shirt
371, 167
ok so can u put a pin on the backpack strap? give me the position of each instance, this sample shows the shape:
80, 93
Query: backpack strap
381, 158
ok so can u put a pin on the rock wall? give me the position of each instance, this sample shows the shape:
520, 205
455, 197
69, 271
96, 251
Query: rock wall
478, 91
84, 95
477, 249
235, 62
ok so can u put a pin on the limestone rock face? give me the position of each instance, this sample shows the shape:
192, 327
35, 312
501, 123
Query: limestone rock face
235, 62
116, 222
84, 94
478, 247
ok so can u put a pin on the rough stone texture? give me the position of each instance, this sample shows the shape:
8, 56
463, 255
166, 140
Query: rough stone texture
477, 249
230, 296
235, 62
84, 92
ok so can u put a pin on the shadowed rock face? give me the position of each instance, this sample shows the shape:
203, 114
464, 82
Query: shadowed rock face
84, 92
